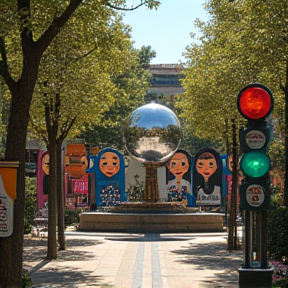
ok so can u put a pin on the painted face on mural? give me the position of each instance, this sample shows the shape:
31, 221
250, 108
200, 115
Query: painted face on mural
109, 164
178, 165
84, 161
206, 165
45, 164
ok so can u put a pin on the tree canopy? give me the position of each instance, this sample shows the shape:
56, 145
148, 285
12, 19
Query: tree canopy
82, 72
243, 42
240, 44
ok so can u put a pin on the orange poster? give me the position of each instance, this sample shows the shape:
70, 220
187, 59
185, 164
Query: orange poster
8, 183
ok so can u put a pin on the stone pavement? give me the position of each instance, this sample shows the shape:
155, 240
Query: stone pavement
120, 260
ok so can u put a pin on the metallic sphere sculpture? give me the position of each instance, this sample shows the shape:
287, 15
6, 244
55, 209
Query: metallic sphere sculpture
152, 133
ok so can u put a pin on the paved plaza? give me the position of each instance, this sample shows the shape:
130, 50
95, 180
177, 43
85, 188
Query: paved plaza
135, 260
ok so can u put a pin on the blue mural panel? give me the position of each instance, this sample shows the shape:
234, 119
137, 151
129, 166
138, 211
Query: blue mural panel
109, 170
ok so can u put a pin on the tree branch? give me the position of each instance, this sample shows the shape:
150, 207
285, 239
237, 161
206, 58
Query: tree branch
150, 3
66, 128
58, 23
56, 26
84, 55
38, 131
281, 86
4, 72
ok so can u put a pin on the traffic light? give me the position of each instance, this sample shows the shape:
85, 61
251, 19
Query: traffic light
255, 103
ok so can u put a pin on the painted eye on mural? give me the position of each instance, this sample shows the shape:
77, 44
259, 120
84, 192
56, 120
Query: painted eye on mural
183, 163
104, 163
200, 164
173, 164
114, 163
211, 164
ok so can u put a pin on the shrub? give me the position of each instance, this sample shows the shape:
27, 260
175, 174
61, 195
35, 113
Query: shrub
278, 233
72, 217
30, 204
282, 282
26, 279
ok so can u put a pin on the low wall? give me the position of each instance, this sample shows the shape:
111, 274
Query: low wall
160, 223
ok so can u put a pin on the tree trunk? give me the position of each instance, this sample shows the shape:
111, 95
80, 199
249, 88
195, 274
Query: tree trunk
285, 90
52, 202
11, 248
60, 198
233, 205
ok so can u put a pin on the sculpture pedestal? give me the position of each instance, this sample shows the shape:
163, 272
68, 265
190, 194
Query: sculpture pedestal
151, 193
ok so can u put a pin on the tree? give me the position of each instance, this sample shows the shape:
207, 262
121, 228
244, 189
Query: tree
19, 66
146, 54
131, 85
79, 90
243, 42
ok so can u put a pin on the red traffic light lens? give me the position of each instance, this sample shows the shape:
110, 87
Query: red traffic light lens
255, 102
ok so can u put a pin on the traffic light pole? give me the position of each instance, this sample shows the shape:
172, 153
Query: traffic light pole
255, 103
249, 254
264, 237
255, 271
247, 243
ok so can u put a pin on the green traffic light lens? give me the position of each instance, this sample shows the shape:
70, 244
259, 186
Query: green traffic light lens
255, 164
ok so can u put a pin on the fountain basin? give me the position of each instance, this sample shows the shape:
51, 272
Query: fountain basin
151, 222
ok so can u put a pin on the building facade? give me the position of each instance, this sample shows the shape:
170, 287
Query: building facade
165, 83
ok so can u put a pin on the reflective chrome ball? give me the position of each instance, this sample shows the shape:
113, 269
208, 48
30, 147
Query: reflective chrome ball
152, 133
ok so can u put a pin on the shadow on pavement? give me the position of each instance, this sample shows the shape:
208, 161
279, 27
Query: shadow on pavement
66, 278
213, 256
35, 250
208, 255
34, 256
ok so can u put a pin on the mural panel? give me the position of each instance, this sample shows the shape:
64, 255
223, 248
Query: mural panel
207, 177
179, 178
109, 178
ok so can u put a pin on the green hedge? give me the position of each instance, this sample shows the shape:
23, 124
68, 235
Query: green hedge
72, 217
30, 204
278, 233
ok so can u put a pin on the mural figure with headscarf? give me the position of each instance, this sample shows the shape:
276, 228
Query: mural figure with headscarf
207, 177
110, 178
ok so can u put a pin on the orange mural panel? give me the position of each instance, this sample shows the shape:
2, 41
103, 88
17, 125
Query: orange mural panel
77, 164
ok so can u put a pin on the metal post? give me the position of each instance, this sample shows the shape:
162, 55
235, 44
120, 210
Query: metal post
255, 276
247, 239
264, 244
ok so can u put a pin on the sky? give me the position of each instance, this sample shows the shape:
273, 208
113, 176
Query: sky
167, 29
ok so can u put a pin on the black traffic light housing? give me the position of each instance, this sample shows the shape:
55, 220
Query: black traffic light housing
255, 103
255, 136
